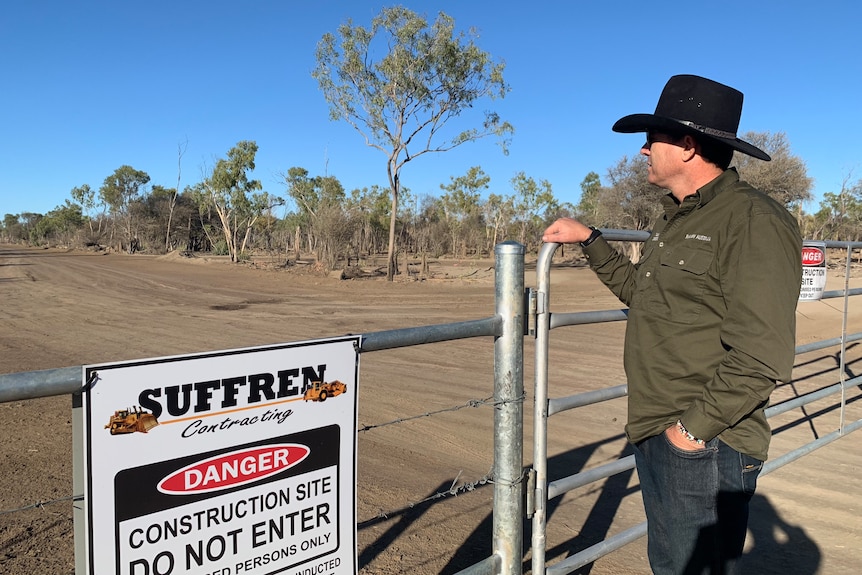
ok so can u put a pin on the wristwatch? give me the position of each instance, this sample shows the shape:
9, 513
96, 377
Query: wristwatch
593, 236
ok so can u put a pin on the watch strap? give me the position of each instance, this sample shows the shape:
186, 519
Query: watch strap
593, 237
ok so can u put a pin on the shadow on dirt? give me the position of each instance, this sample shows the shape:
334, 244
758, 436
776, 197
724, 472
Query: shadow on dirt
405, 518
775, 546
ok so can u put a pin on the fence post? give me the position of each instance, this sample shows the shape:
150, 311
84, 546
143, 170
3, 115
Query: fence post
509, 411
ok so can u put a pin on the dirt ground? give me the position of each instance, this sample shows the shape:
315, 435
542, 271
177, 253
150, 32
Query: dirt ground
63, 309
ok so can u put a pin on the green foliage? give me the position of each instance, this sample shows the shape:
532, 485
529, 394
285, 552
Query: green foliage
85, 196
58, 226
461, 205
371, 207
531, 201
220, 248
119, 191
162, 193
402, 101
120, 188
499, 212
312, 194
374, 202
463, 194
324, 213
429, 74
589, 205
13, 228
232, 195
840, 214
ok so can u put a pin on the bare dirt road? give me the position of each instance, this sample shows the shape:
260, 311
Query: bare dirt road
62, 309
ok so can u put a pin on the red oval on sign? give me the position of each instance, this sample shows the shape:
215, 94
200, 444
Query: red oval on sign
812, 256
233, 469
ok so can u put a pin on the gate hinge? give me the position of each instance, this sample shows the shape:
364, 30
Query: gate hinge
530, 311
530, 506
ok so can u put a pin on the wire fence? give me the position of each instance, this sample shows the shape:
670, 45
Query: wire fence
454, 490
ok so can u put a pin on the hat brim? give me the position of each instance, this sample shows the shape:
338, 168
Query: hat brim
645, 122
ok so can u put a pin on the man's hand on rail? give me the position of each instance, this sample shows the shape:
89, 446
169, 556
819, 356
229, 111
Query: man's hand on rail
566, 231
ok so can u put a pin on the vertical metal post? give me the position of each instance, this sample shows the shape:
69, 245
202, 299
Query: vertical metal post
509, 411
540, 407
841, 372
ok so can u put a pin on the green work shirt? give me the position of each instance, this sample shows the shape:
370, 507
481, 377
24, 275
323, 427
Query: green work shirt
712, 314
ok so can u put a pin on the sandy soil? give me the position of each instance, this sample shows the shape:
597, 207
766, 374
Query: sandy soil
64, 309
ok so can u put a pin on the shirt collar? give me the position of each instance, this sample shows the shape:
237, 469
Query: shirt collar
703, 195
725, 180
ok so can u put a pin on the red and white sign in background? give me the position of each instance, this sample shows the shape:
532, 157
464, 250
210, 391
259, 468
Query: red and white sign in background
813, 270
220, 463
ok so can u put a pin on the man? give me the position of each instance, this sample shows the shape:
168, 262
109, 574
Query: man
711, 326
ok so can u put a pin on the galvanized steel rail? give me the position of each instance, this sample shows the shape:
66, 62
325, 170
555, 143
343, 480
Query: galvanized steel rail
67, 380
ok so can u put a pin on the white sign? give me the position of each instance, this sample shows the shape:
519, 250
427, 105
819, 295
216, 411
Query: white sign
813, 271
239, 462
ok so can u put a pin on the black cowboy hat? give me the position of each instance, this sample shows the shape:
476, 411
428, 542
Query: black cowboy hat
695, 105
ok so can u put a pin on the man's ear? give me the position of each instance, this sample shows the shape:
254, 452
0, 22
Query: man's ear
690, 148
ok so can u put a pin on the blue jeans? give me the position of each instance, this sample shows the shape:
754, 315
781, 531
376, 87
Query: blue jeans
696, 504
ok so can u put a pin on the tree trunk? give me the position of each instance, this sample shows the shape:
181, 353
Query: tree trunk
390, 258
173, 204
170, 220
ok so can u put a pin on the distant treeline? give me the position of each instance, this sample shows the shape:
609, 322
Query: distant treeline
228, 213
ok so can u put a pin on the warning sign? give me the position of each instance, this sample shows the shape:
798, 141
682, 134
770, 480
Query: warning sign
813, 271
231, 463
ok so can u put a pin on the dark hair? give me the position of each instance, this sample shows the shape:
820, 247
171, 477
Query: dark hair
712, 151
715, 152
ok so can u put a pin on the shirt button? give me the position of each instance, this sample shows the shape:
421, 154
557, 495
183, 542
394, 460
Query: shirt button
681, 262
661, 244
648, 274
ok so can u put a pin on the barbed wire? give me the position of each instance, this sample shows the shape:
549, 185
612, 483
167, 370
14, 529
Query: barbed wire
471, 403
43, 504
455, 491
451, 492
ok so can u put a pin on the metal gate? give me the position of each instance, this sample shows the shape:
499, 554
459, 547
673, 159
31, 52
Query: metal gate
542, 489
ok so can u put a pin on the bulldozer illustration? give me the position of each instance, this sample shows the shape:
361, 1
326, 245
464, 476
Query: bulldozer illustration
319, 391
131, 420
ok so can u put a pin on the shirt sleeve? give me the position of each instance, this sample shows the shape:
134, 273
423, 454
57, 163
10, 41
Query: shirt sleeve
615, 270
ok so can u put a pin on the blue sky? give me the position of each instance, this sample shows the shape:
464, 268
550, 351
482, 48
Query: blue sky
90, 86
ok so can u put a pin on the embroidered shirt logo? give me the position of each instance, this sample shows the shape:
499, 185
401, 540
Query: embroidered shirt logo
699, 237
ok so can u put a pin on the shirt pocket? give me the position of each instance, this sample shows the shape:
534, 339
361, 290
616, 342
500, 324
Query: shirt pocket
682, 275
